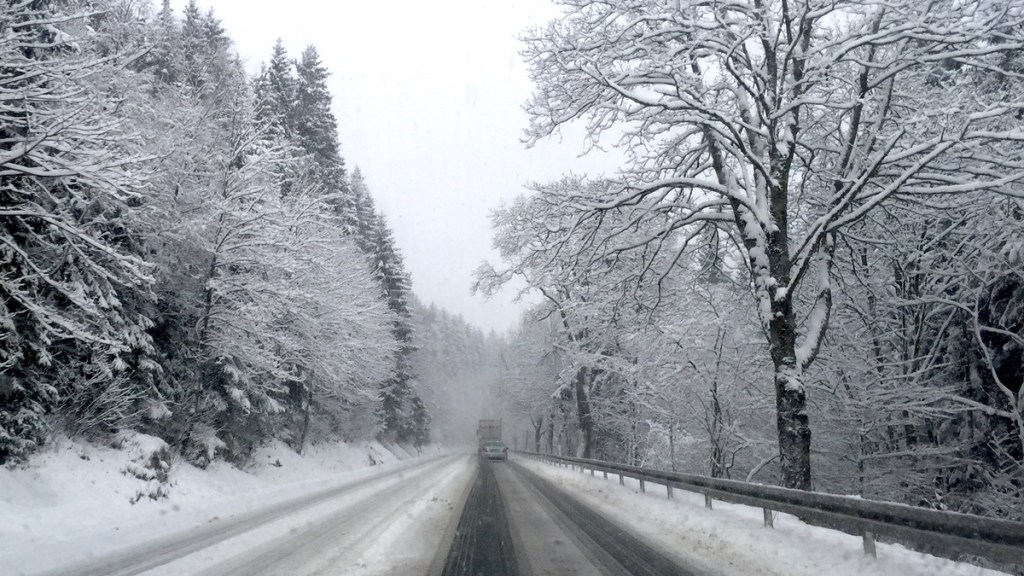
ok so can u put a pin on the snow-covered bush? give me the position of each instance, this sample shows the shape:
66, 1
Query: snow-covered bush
149, 460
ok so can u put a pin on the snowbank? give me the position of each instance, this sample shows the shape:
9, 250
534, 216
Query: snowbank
76, 499
731, 539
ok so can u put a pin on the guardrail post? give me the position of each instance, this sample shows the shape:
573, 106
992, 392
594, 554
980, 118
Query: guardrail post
592, 471
622, 480
642, 489
869, 544
605, 472
769, 520
668, 490
707, 501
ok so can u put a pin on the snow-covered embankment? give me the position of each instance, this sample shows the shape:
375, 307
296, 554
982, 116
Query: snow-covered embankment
78, 500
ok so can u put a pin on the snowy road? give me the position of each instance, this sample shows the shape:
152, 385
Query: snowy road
517, 523
457, 515
453, 515
394, 523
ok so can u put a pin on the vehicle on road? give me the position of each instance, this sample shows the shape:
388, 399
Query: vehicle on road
486, 431
494, 450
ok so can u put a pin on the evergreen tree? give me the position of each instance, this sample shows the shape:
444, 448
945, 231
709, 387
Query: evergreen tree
363, 219
316, 130
193, 47
315, 125
398, 398
275, 92
71, 290
213, 311
166, 45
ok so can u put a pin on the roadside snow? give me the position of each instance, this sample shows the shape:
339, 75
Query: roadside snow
393, 524
421, 533
75, 500
732, 538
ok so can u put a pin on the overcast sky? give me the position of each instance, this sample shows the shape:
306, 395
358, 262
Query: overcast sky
428, 96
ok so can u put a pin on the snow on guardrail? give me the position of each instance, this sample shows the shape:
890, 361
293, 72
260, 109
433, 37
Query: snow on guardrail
936, 530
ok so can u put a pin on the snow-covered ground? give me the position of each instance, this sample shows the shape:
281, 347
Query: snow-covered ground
75, 501
731, 539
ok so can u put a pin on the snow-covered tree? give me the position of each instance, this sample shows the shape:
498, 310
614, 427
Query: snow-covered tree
71, 288
781, 124
396, 396
919, 410
455, 373
179, 255
315, 125
591, 303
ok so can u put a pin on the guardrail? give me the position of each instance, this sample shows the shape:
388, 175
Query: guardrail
939, 531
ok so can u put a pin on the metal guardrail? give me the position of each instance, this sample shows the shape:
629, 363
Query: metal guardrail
946, 532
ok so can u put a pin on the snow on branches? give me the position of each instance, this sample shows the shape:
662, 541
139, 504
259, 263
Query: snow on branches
781, 124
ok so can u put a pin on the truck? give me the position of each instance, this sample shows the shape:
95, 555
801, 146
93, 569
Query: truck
487, 430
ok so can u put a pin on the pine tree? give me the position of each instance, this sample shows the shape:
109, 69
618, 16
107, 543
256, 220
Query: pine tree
70, 287
420, 422
398, 398
363, 219
214, 32
166, 45
193, 47
275, 92
315, 125
317, 132
402, 413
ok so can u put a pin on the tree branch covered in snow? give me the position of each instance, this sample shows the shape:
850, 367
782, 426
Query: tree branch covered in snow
183, 251
781, 125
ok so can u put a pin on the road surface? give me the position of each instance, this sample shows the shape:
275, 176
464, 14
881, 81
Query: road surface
517, 523
454, 515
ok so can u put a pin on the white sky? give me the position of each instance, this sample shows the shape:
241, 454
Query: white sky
428, 96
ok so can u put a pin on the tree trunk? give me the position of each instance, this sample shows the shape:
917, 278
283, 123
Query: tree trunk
771, 271
551, 434
790, 395
717, 450
538, 431
672, 445
790, 399
305, 420
583, 409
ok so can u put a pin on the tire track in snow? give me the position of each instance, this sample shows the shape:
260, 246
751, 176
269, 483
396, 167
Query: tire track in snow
483, 541
334, 544
168, 549
615, 547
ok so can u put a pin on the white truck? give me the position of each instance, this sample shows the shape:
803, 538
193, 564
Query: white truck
488, 430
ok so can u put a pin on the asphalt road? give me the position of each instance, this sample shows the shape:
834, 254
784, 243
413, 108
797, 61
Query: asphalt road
483, 541
518, 523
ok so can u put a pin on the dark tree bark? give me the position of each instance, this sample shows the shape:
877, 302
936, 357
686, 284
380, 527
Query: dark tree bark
583, 409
